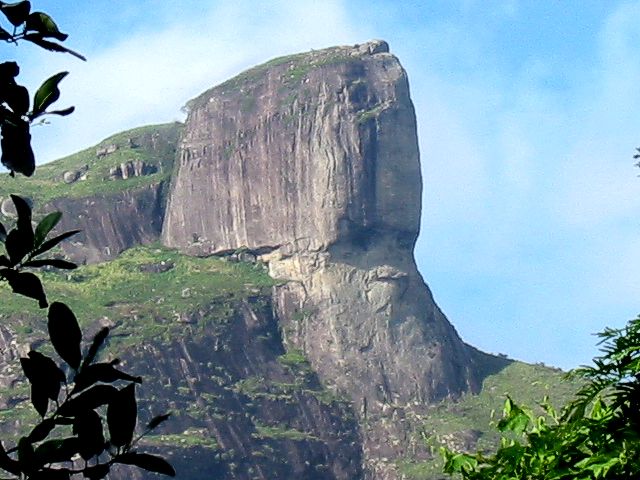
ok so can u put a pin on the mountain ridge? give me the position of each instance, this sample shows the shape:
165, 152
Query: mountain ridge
306, 166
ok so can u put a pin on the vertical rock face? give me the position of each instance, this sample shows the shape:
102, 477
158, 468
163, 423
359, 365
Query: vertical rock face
312, 161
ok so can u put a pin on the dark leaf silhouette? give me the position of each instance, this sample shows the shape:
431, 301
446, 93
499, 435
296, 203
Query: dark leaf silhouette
45, 226
45, 378
17, 154
17, 97
39, 40
51, 474
47, 94
24, 213
16, 13
63, 113
4, 35
27, 284
7, 463
157, 420
44, 24
49, 244
122, 414
26, 455
8, 71
42, 430
97, 472
88, 428
98, 341
149, 462
51, 262
17, 246
90, 399
101, 372
65, 334
57, 450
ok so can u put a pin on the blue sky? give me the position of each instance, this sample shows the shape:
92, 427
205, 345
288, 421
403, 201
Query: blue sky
527, 113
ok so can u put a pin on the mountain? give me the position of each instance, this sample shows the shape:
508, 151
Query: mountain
256, 264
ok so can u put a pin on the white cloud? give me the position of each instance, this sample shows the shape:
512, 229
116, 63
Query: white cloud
147, 77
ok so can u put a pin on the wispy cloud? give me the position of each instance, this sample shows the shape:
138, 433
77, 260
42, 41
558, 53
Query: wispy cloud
148, 75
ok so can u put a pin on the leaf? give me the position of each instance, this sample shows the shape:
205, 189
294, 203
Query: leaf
17, 246
4, 35
44, 24
51, 474
516, 419
88, 428
17, 97
101, 372
39, 40
63, 113
97, 342
90, 399
16, 13
51, 262
45, 378
25, 455
122, 414
157, 420
17, 154
65, 334
148, 462
42, 430
52, 242
57, 450
7, 463
8, 71
45, 226
47, 94
27, 284
97, 472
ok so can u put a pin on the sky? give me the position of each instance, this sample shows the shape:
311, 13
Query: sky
527, 120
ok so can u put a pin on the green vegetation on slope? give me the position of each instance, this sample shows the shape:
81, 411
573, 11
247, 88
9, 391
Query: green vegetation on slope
154, 288
154, 145
454, 423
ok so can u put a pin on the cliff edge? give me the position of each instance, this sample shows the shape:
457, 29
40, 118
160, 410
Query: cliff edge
311, 163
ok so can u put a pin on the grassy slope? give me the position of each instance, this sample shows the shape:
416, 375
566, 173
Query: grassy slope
145, 304
47, 182
525, 383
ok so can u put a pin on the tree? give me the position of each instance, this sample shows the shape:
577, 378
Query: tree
79, 398
595, 436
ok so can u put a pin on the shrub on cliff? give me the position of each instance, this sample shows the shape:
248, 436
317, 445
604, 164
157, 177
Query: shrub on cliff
78, 398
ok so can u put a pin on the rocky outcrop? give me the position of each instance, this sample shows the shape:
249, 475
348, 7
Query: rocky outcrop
110, 223
132, 168
238, 409
313, 160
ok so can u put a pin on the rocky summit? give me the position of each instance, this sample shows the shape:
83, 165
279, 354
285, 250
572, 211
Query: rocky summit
313, 160
276, 308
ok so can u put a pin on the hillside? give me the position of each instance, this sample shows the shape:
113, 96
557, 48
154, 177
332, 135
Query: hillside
252, 385
256, 265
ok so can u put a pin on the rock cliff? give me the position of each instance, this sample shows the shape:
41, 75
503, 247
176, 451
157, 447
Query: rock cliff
311, 161
115, 193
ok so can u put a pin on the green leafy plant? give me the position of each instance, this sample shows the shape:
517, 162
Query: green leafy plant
78, 398
595, 436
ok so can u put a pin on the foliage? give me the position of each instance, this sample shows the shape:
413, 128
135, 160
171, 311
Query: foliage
595, 436
78, 398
